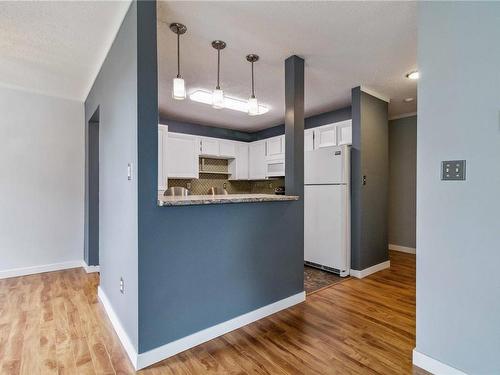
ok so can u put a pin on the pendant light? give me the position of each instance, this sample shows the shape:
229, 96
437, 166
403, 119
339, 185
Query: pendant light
218, 94
253, 105
178, 85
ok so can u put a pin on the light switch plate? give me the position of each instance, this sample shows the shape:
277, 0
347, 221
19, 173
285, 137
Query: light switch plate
453, 170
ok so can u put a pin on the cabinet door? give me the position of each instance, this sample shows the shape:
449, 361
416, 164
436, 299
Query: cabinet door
325, 136
309, 140
275, 147
162, 155
209, 147
257, 160
242, 161
344, 133
238, 167
182, 156
275, 168
227, 149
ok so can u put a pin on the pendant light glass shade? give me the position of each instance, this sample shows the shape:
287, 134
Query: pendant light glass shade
178, 85
218, 98
253, 106
179, 89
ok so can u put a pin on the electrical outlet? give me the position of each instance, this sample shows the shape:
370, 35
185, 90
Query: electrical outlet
224, 185
188, 185
453, 170
122, 285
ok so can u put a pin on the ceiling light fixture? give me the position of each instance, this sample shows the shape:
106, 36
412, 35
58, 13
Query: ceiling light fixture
413, 75
253, 105
178, 86
235, 104
218, 94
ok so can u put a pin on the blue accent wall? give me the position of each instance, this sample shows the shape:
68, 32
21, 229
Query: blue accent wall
369, 202
310, 122
235, 135
202, 265
206, 131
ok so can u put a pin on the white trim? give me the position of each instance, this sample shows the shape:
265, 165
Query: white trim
120, 331
403, 115
15, 272
433, 365
404, 249
90, 269
172, 348
375, 94
370, 270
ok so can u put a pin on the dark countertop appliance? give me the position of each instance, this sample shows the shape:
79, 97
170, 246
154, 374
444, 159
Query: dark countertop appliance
280, 190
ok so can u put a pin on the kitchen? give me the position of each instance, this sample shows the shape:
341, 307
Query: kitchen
244, 166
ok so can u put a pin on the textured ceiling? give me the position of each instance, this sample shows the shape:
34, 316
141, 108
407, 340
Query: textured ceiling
344, 44
56, 48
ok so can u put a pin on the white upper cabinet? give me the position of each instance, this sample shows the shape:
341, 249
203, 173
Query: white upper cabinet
344, 133
325, 136
257, 160
275, 147
339, 133
178, 154
238, 167
182, 156
217, 148
309, 140
209, 147
227, 149
162, 156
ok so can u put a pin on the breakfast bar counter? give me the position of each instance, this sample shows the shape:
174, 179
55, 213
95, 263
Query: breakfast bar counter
190, 200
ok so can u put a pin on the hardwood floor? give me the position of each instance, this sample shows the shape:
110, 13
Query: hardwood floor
53, 324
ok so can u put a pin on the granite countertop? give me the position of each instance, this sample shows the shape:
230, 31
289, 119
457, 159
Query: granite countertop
221, 199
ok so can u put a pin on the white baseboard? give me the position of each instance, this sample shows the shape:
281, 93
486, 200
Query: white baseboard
15, 272
404, 249
90, 269
158, 354
433, 365
370, 270
120, 331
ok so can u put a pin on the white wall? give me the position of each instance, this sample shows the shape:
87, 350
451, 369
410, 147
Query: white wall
458, 223
41, 180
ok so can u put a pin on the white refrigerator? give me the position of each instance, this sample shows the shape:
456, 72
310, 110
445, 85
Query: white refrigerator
327, 208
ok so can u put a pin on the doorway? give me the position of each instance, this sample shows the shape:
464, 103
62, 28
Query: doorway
92, 185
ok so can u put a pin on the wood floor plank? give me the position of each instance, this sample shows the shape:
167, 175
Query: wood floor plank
53, 323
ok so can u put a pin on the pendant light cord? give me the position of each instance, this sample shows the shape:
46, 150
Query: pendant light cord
178, 56
218, 69
253, 93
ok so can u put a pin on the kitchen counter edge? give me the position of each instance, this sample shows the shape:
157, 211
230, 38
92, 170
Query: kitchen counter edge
191, 200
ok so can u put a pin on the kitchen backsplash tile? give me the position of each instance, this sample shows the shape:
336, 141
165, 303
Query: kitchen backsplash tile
267, 186
206, 181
